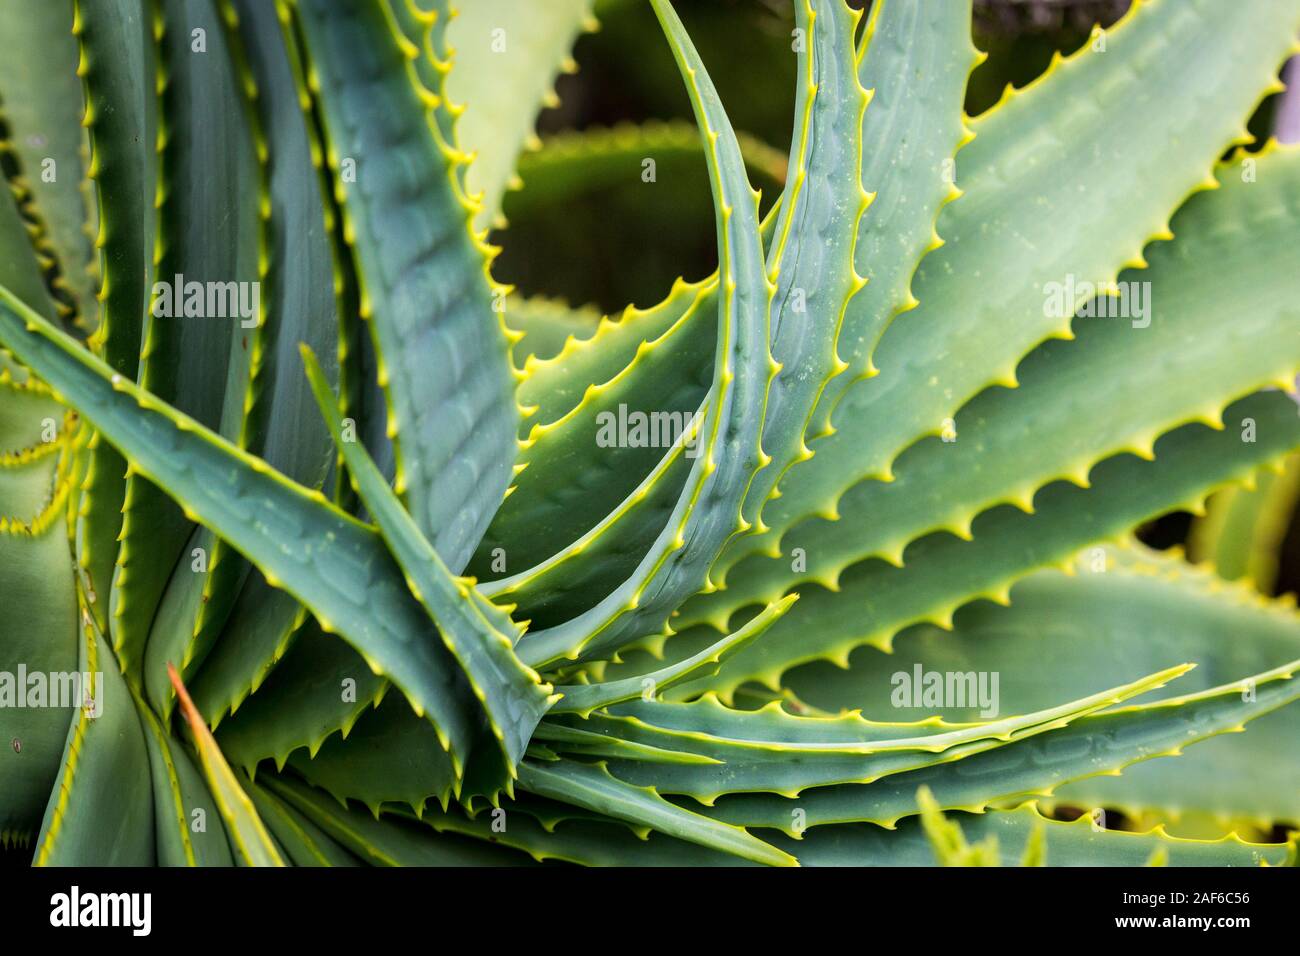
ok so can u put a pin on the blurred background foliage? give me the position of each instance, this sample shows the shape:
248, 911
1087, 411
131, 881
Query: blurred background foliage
584, 233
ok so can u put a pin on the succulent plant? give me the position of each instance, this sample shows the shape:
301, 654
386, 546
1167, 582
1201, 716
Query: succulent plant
345, 554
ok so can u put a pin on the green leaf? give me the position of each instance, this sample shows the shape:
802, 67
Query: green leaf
592, 787
423, 36
305, 843
100, 810
915, 58
582, 699
1092, 611
248, 835
31, 473
812, 257
189, 825
551, 388
506, 55
257, 635
443, 350
118, 53
198, 598
585, 840
554, 387
561, 738
570, 478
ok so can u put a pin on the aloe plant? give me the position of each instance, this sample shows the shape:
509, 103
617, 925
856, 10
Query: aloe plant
325, 516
